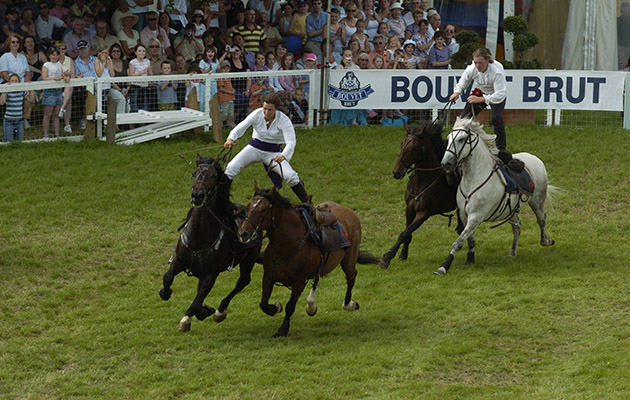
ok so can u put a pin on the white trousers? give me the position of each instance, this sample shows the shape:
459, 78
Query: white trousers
250, 155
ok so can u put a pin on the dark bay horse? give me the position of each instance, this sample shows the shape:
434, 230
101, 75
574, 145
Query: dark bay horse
428, 192
208, 246
292, 256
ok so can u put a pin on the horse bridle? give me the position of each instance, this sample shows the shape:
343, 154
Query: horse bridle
210, 193
264, 217
472, 140
410, 167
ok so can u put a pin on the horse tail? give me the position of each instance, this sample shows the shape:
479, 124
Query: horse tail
552, 193
366, 258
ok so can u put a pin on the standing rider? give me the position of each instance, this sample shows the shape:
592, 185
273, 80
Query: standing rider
489, 88
272, 129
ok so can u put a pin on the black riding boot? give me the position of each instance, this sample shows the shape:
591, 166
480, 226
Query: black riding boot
300, 192
512, 163
223, 194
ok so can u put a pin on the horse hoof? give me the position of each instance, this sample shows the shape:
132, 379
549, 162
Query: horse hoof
351, 306
184, 324
547, 242
279, 334
165, 294
402, 257
440, 271
383, 263
279, 307
219, 316
311, 310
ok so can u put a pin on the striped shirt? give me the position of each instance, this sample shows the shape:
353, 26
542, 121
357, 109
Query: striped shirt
80, 67
15, 100
252, 37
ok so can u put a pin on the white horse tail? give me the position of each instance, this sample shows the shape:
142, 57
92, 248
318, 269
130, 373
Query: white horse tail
552, 193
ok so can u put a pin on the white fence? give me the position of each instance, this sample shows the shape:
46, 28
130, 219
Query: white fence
571, 98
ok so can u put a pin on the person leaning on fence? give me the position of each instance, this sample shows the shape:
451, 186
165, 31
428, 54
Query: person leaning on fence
489, 88
12, 123
226, 96
52, 99
272, 128
166, 90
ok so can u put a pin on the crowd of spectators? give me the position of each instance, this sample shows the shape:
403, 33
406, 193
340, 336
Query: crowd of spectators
127, 38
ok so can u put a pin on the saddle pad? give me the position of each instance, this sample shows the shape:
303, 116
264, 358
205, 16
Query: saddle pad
331, 238
517, 181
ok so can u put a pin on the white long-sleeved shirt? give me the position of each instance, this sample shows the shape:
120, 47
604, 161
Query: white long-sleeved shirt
491, 82
280, 131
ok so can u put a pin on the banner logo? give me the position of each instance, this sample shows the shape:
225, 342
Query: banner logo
349, 92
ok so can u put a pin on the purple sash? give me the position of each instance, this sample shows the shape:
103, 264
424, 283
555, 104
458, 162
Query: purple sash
270, 147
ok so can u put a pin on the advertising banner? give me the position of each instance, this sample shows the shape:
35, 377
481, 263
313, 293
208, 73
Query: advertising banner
425, 89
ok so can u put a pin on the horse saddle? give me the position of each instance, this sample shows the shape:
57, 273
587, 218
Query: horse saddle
517, 181
324, 229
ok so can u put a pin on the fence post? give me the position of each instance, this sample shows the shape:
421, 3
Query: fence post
90, 109
110, 135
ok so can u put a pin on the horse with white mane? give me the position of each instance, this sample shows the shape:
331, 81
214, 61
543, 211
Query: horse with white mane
482, 194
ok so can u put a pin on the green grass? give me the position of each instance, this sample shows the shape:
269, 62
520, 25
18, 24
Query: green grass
86, 231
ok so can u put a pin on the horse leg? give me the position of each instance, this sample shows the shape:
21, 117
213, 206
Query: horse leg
244, 279
267, 288
311, 306
351, 274
515, 221
197, 308
470, 256
167, 280
403, 239
469, 229
541, 218
296, 291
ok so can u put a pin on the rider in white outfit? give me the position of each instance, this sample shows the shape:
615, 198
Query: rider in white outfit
272, 129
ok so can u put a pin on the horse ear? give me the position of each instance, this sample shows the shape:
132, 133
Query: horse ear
256, 188
198, 159
273, 190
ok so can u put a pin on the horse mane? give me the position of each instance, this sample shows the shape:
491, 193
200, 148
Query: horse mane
476, 127
434, 132
276, 199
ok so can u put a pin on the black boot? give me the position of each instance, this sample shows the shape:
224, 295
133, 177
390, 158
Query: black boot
300, 192
505, 156
223, 195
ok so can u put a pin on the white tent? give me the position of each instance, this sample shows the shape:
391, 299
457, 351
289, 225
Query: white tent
590, 39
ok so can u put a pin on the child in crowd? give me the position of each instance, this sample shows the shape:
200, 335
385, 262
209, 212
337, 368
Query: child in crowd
361, 37
298, 107
139, 66
310, 62
378, 62
287, 82
259, 88
226, 96
393, 44
167, 90
438, 55
52, 99
12, 124
409, 48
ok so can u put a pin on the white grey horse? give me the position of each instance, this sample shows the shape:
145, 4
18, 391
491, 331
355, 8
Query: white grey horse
481, 195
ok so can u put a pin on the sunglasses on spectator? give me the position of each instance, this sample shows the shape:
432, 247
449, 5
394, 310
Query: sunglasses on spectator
43, 6
61, 48
449, 31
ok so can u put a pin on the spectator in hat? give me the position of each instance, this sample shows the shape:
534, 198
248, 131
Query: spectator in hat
84, 68
434, 21
128, 36
395, 23
154, 31
115, 21
200, 26
78, 34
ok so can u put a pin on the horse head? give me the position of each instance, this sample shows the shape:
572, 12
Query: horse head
417, 145
258, 214
206, 178
466, 135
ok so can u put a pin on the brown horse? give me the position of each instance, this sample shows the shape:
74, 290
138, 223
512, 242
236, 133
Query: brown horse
428, 191
208, 246
293, 256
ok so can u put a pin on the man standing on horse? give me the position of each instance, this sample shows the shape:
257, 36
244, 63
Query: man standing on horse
272, 129
489, 88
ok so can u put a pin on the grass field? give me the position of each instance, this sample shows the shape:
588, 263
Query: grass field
86, 231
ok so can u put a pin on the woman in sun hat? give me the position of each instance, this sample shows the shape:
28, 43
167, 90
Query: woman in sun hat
128, 36
396, 23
